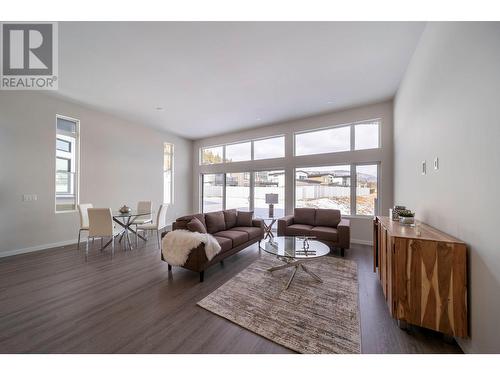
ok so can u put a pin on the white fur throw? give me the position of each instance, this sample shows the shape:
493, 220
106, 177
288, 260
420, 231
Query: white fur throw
177, 245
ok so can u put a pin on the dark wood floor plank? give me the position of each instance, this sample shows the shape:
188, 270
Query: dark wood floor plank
52, 301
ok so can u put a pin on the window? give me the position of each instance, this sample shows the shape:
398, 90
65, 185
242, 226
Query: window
168, 175
366, 189
269, 182
269, 148
213, 189
63, 145
366, 135
238, 191
212, 155
67, 173
324, 187
239, 152
323, 141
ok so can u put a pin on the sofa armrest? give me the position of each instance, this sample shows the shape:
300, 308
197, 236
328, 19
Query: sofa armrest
260, 224
344, 233
284, 222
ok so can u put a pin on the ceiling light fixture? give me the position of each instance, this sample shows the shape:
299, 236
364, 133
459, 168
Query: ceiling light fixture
159, 108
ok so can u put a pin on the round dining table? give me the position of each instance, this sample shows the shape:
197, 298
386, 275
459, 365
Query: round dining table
126, 220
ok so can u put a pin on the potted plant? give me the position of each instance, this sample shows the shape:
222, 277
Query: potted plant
407, 217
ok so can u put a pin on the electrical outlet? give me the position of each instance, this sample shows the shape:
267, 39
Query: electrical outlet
436, 163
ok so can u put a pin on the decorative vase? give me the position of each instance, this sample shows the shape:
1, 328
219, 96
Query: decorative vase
125, 209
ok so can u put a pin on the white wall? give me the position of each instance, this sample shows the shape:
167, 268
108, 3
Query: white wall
121, 163
448, 106
361, 227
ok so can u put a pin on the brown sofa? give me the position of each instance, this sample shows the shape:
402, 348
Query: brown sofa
324, 224
233, 230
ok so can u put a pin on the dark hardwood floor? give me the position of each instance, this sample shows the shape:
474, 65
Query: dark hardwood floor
53, 302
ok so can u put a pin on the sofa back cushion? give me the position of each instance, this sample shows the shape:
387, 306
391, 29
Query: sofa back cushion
304, 216
230, 217
244, 219
327, 218
215, 222
195, 225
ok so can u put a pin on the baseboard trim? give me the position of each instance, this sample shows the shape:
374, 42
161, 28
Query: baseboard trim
32, 249
361, 242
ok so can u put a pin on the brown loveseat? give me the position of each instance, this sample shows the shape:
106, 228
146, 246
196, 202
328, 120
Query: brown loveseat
233, 230
324, 224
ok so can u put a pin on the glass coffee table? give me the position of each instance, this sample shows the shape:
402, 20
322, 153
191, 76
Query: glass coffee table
294, 252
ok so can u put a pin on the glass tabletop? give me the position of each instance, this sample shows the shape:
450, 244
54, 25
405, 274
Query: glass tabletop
295, 247
130, 214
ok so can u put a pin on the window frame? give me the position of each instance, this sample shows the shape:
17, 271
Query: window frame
207, 147
76, 136
264, 139
225, 161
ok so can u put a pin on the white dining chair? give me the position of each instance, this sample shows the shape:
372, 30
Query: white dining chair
84, 219
101, 225
161, 223
143, 206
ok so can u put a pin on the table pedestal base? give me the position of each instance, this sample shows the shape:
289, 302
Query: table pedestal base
296, 264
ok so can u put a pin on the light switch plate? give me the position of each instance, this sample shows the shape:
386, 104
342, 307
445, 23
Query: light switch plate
424, 167
30, 197
436, 163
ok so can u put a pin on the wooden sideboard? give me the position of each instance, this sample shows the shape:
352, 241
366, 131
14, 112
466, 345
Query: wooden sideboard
423, 273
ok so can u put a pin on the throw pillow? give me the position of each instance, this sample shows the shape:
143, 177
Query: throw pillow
244, 219
196, 225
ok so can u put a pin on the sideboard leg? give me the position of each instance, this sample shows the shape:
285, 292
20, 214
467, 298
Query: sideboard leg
402, 325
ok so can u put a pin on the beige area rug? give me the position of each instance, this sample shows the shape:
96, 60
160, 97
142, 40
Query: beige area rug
309, 317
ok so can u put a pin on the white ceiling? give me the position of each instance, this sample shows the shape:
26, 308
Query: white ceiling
218, 77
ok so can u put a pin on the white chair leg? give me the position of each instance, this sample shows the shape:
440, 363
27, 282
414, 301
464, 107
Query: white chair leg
158, 238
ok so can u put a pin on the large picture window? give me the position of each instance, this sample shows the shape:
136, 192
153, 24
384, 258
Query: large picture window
67, 173
324, 187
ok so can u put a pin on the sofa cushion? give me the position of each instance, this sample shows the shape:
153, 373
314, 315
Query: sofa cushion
253, 232
215, 222
325, 233
327, 218
298, 230
195, 225
304, 216
225, 243
230, 217
244, 219
238, 237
